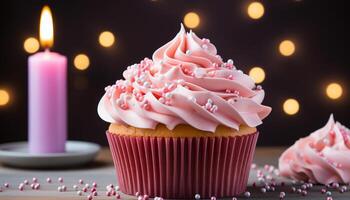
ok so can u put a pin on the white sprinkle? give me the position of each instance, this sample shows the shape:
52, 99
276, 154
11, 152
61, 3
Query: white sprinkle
168, 95
79, 193
230, 61
199, 72
197, 196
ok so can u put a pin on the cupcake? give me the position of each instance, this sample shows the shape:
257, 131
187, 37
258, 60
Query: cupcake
322, 157
183, 123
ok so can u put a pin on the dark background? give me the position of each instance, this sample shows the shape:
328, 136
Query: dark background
140, 27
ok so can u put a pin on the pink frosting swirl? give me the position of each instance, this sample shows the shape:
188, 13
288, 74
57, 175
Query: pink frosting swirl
186, 82
322, 157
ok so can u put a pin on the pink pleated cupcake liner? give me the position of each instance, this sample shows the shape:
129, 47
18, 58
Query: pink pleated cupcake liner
182, 167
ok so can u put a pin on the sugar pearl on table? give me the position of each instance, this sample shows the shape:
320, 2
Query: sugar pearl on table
35, 179
108, 193
247, 194
263, 190
48, 180
81, 181
197, 196
117, 196
21, 187
304, 192
94, 184
89, 197
282, 194
117, 188
234, 198
329, 198
84, 189
64, 188
323, 190
87, 185
75, 187
60, 179
7, 185
79, 193
329, 193
26, 182
94, 193
113, 192
212, 198
37, 186
93, 189
293, 189
303, 187
137, 194
32, 186
59, 188
139, 197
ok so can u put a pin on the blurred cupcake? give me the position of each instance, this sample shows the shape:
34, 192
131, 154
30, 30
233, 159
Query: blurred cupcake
183, 123
322, 157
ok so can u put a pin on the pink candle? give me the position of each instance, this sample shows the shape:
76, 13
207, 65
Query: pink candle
47, 73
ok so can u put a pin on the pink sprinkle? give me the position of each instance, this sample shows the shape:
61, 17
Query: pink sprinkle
26, 182
94, 184
84, 189
108, 193
329, 198
48, 180
323, 190
35, 180
234, 198
60, 179
139, 197
304, 192
113, 193
32, 186
94, 193
145, 197
7, 185
37, 186
117, 196
87, 185
93, 189
81, 181
137, 194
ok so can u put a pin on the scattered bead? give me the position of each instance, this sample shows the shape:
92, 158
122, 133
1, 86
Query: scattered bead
329, 193
108, 193
60, 179
94, 193
263, 190
197, 196
212, 198
26, 182
59, 188
282, 194
79, 193
21, 187
48, 180
94, 184
37, 186
145, 197
117, 196
75, 187
247, 194
35, 179
323, 190
234, 198
64, 188
89, 197
87, 185
7, 185
84, 189
304, 192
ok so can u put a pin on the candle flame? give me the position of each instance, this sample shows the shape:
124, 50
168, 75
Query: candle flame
46, 28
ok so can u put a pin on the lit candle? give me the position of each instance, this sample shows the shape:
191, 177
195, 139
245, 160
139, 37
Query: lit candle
47, 73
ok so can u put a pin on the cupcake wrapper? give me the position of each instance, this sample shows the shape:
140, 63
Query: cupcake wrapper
182, 167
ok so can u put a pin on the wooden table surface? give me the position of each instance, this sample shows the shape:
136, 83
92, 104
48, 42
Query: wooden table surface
102, 172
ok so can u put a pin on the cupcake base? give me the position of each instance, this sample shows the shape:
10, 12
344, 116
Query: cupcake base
182, 167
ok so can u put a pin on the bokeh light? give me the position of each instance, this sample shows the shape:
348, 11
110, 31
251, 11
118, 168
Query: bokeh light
31, 45
257, 74
334, 90
81, 61
255, 10
291, 106
106, 39
287, 47
4, 97
191, 20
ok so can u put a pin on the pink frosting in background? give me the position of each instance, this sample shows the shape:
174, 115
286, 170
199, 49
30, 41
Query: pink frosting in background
322, 157
186, 82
